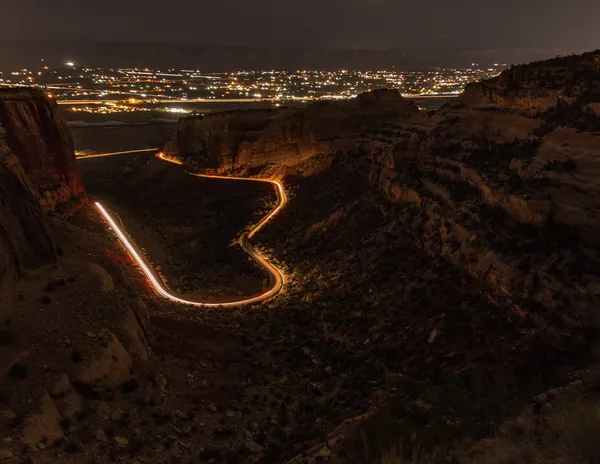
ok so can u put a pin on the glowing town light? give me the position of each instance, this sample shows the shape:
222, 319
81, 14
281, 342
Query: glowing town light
70, 64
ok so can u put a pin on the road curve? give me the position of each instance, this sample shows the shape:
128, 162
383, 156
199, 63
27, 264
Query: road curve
277, 275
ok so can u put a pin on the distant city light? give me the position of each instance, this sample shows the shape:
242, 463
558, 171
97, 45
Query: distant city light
105, 91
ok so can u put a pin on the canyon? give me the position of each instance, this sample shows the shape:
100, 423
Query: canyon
443, 275
502, 182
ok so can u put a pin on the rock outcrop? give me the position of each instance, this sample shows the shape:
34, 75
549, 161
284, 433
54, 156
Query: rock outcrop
109, 365
42, 143
539, 85
285, 137
37, 175
504, 183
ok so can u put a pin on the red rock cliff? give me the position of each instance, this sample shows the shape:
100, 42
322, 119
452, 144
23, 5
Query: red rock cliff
504, 183
38, 174
286, 137
42, 142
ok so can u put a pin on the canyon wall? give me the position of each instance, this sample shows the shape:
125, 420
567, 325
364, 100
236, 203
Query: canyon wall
38, 175
503, 182
75, 307
285, 137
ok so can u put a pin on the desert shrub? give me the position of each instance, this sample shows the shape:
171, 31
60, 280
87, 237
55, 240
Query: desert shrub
561, 166
18, 371
7, 337
568, 114
450, 120
544, 129
400, 454
378, 443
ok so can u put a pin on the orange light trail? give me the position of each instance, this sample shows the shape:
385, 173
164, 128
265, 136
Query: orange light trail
277, 275
102, 155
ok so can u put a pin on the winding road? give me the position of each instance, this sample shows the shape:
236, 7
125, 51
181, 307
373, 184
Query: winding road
277, 275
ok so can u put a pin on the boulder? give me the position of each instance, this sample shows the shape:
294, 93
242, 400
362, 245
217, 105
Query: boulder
108, 368
45, 425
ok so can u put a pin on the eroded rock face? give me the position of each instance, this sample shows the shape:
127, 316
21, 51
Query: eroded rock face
108, 369
539, 85
42, 143
25, 242
285, 137
46, 423
37, 175
504, 183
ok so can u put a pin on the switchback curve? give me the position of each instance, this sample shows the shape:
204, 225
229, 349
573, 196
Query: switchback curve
161, 288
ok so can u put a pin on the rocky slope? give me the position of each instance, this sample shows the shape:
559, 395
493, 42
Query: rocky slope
500, 187
503, 182
67, 330
506, 186
37, 176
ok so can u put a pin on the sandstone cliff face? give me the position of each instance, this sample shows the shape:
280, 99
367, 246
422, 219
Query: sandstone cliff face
25, 243
502, 183
285, 137
213, 141
43, 145
37, 175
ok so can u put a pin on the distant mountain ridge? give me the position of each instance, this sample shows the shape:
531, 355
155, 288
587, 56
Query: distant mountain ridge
23, 54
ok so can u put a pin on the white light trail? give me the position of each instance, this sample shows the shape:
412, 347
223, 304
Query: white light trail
277, 275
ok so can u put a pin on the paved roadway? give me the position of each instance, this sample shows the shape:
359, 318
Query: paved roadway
277, 275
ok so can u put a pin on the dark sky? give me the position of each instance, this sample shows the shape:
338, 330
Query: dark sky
568, 25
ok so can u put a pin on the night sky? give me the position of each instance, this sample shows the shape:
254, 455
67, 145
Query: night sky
568, 25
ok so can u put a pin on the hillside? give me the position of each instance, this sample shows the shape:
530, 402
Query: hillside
65, 326
498, 190
441, 295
